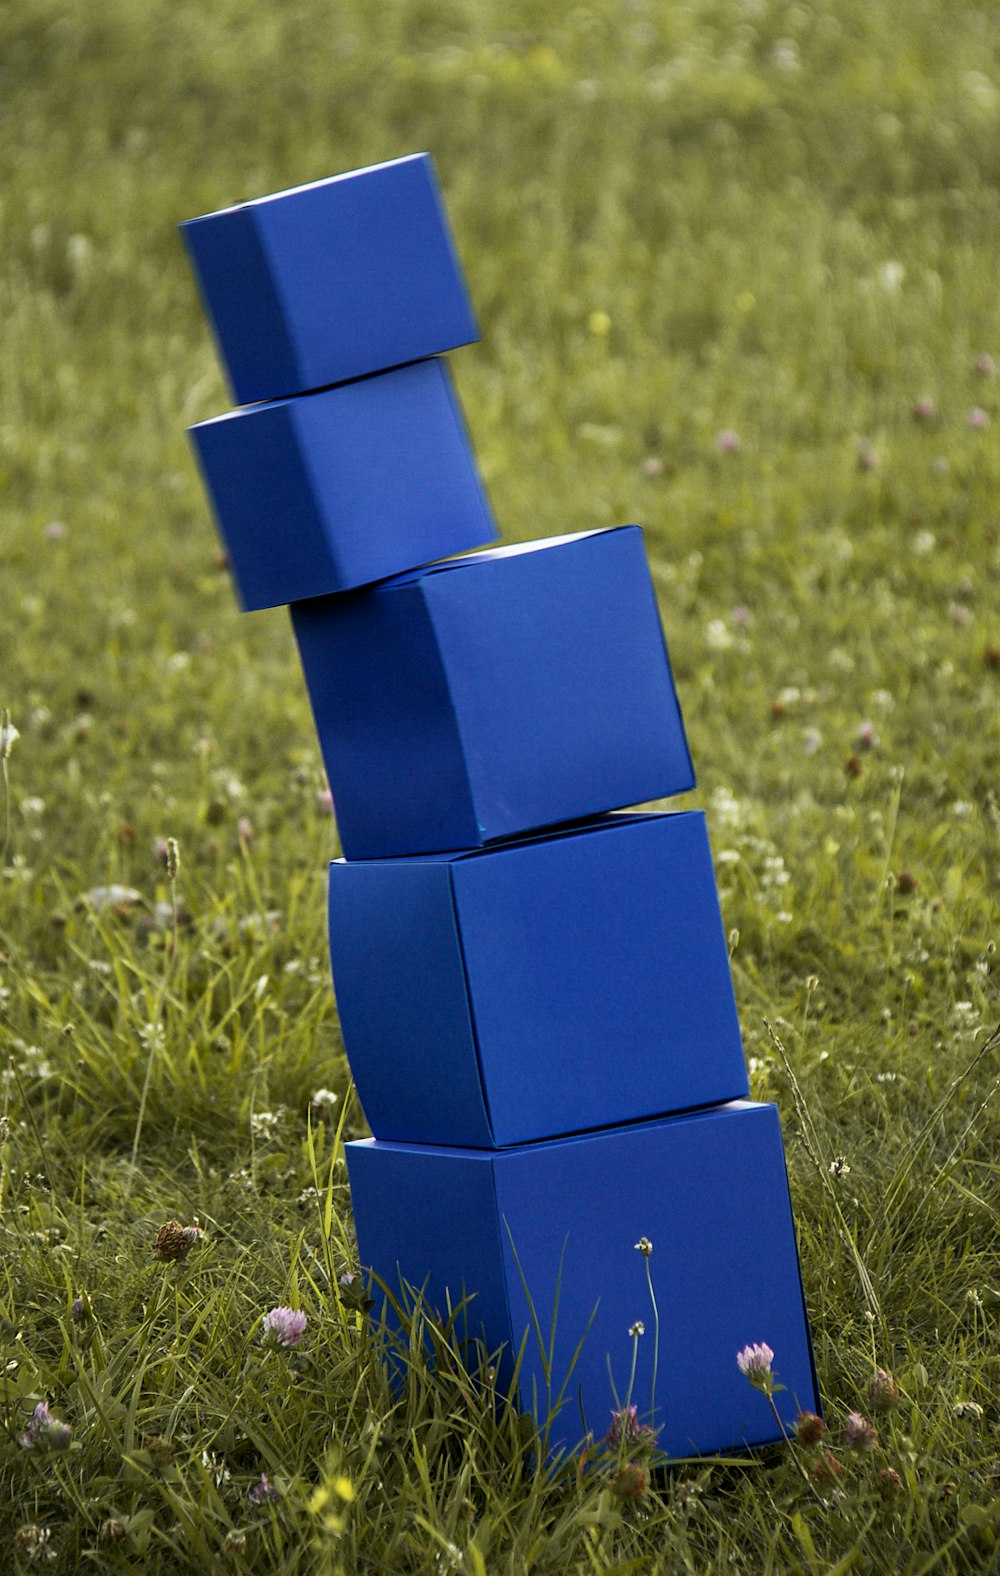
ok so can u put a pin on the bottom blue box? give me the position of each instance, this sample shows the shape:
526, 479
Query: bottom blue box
546, 1234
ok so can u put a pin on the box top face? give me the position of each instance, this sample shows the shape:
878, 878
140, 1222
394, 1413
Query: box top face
497, 554
310, 186
611, 822
412, 379
601, 1136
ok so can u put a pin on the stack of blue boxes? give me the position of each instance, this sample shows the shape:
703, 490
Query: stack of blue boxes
533, 982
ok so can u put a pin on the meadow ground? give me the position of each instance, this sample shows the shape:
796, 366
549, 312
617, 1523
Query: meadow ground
736, 265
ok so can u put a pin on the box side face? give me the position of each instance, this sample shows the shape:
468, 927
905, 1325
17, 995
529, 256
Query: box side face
599, 978
252, 466
401, 997
561, 682
711, 1193
367, 273
241, 302
393, 474
385, 721
429, 1218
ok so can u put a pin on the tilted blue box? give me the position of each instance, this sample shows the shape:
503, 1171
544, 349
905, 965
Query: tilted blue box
330, 491
535, 988
548, 1232
494, 694
331, 281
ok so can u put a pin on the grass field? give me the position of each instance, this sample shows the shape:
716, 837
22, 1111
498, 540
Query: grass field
736, 267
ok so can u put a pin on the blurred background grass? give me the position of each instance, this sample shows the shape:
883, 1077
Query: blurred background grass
719, 251
773, 221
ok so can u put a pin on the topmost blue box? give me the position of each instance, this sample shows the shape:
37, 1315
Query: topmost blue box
332, 281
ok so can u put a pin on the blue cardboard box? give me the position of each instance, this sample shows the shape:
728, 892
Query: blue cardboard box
536, 987
331, 281
330, 491
545, 1235
493, 694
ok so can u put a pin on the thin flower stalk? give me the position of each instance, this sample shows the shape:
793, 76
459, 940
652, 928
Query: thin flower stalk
645, 1247
8, 733
754, 1362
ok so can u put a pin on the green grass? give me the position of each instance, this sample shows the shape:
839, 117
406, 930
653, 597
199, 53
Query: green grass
777, 220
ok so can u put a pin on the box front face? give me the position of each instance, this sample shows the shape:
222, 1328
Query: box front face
599, 977
561, 681
393, 474
710, 1192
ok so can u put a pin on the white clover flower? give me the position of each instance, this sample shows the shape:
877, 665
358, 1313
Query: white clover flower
718, 636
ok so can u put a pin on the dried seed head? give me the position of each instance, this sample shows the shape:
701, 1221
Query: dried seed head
631, 1481
809, 1428
173, 859
172, 1241
883, 1391
8, 733
161, 1449
826, 1468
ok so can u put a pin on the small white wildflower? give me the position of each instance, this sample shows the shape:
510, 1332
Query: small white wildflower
153, 1036
891, 275
718, 636
785, 56
981, 91
79, 250
967, 1411
321, 1105
725, 806
217, 1470
264, 1124
113, 896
